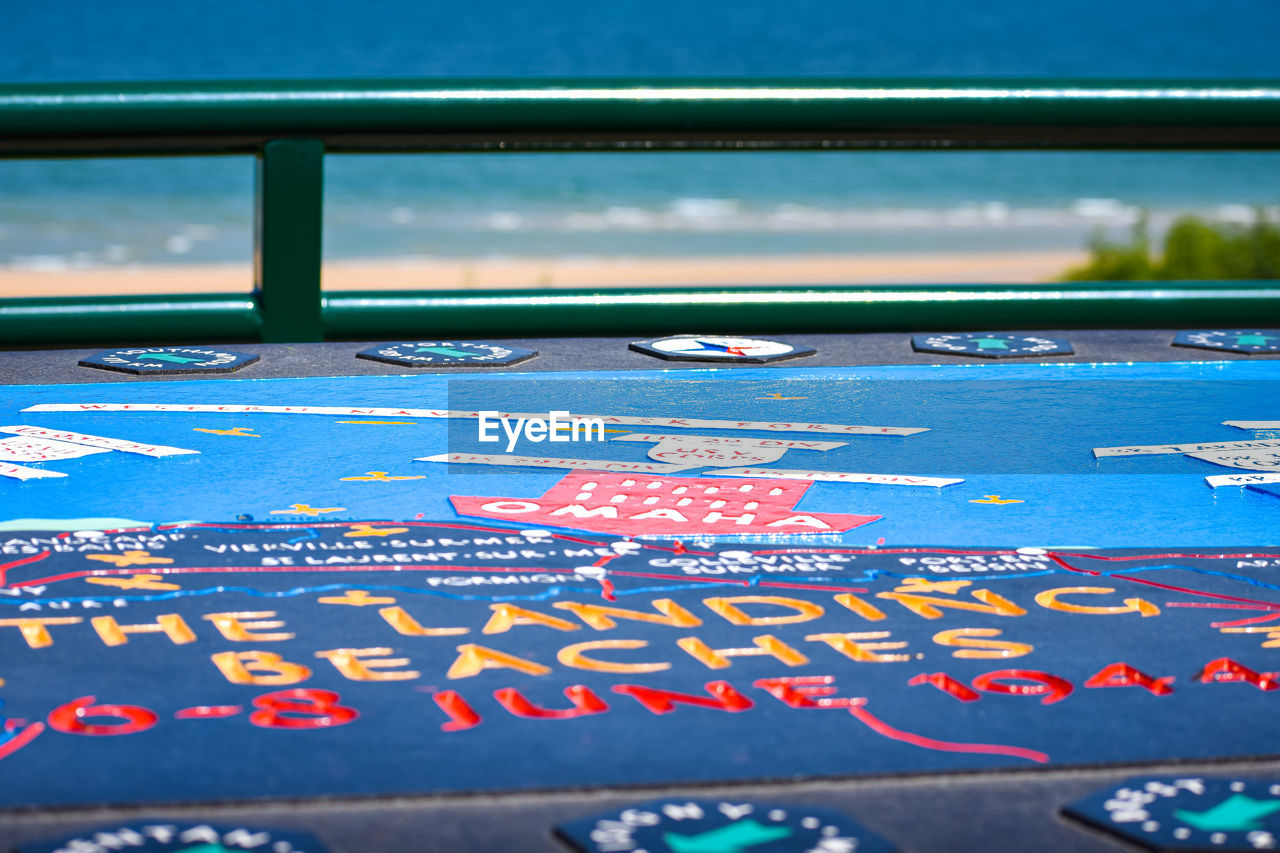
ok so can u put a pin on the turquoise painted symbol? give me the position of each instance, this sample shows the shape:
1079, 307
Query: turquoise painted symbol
166, 356
733, 838
1237, 813
453, 353
208, 848
1254, 340
991, 343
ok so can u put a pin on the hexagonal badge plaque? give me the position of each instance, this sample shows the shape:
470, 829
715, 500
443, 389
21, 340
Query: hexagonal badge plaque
447, 354
142, 361
1247, 341
1187, 813
991, 344
714, 826
720, 348
161, 836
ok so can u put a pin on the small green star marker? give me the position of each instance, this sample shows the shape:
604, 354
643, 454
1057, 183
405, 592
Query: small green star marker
1170, 814
720, 826
448, 354
165, 356
991, 344
1236, 813
449, 351
1244, 341
726, 839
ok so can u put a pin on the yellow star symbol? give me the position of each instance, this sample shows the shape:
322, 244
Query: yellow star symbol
924, 584
780, 397
135, 581
996, 499
356, 598
370, 530
129, 558
303, 509
381, 477
242, 432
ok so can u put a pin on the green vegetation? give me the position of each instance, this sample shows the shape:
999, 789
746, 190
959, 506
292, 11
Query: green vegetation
1193, 250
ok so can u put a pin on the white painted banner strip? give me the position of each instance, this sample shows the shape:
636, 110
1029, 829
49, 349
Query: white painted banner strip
735, 441
1204, 447
832, 476
121, 444
21, 448
546, 462
1219, 480
628, 420
21, 472
1262, 460
1253, 424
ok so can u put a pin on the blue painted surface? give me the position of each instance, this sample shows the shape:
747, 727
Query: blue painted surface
1024, 432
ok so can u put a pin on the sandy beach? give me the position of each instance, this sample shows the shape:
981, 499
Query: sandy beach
499, 273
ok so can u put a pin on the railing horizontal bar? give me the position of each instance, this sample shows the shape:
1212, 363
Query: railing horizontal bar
128, 320
761, 309
232, 116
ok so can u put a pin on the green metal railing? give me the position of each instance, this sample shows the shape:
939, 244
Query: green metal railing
289, 127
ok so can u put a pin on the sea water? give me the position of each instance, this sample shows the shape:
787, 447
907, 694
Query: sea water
66, 214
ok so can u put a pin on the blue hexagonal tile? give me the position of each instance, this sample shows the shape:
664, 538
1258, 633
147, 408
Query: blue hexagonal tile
1247, 341
680, 825
991, 344
434, 354
160, 836
145, 361
1187, 812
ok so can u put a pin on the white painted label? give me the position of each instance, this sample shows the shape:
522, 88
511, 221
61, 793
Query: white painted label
1202, 447
627, 420
121, 444
736, 441
833, 476
1253, 424
19, 472
693, 453
546, 462
23, 449
1262, 460
1219, 480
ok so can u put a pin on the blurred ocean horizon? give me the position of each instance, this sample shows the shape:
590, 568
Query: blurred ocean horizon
59, 214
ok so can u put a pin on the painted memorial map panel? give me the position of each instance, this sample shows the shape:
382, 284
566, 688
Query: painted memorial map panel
236, 588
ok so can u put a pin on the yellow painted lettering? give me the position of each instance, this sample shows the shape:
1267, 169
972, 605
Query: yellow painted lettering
804, 611
856, 646
765, 644
259, 668
930, 607
970, 644
239, 627
601, 618
473, 659
1050, 599
864, 609
405, 624
575, 657
507, 616
169, 624
34, 630
361, 664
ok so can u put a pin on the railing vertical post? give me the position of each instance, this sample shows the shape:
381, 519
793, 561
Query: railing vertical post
287, 241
